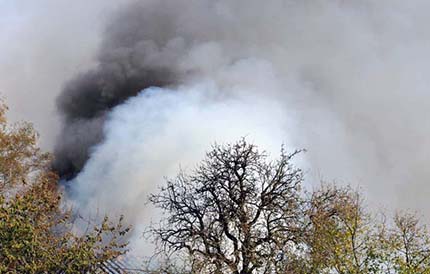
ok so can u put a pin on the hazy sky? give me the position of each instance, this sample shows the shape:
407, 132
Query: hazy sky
42, 44
355, 74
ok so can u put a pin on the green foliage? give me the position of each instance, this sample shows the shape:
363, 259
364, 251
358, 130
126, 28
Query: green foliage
36, 235
342, 237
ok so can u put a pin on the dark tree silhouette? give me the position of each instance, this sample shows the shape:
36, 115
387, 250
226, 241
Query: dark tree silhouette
236, 213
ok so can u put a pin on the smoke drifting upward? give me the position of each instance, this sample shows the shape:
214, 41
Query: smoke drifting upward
126, 65
345, 79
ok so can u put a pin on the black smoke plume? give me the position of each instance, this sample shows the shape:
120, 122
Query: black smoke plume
128, 62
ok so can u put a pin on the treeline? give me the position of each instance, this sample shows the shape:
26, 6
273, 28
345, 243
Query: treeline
36, 234
237, 212
241, 213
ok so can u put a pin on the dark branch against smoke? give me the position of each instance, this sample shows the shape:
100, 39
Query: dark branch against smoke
130, 59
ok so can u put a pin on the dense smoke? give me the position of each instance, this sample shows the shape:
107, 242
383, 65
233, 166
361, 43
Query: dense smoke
126, 65
345, 79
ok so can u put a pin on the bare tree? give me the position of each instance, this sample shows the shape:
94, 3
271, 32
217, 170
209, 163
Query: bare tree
236, 213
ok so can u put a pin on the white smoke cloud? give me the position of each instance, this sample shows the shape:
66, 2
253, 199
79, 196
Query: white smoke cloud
346, 80
150, 137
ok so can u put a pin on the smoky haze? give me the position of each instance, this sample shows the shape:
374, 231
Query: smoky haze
347, 80
42, 44
123, 69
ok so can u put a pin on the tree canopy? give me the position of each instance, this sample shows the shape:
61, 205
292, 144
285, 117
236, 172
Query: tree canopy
240, 212
36, 234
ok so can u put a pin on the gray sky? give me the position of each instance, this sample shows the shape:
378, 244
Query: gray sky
355, 74
42, 44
